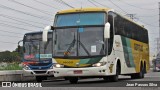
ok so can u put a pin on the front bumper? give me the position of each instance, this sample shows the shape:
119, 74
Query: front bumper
89, 71
48, 72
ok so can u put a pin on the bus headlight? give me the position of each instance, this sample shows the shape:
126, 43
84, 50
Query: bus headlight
99, 64
58, 65
26, 67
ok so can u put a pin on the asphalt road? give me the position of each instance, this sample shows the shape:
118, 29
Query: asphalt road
151, 77
98, 84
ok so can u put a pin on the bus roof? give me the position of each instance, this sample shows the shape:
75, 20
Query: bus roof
83, 10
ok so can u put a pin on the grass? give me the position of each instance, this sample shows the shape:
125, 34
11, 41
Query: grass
11, 66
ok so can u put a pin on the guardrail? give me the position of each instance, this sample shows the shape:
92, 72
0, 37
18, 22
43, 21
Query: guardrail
14, 75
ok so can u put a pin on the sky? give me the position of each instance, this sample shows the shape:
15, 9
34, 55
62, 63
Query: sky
18, 17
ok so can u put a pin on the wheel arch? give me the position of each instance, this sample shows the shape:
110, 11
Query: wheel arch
145, 66
118, 62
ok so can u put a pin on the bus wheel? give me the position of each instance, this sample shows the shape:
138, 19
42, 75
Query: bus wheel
73, 80
65, 78
115, 77
133, 76
39, 78
141, 73
107, 78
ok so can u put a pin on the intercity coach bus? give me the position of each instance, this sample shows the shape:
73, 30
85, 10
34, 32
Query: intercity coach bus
98, 42
37, 56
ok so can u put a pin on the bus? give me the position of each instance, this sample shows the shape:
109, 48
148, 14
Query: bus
98, 43
156, 63
37, 56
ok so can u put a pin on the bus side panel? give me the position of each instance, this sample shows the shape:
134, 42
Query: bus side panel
130, 52
140, 53
120, 51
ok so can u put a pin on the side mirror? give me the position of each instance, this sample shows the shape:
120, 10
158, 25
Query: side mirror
19, 48
107, 30
45, 33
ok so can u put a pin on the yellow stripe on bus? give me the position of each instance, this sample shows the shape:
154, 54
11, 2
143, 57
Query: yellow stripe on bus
71, 62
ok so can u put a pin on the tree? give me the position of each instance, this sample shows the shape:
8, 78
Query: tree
7, 56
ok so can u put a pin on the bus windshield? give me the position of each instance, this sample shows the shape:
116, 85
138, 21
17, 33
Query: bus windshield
78, 19
35, 49
86, 41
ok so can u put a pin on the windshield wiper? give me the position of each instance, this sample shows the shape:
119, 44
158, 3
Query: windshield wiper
83, 45
66, 53
84, 48
70, 47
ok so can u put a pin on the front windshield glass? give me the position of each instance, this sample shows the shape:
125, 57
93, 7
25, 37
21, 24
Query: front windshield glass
65, 38
92, 39
86, 41
80, 19
31, 50
35, 49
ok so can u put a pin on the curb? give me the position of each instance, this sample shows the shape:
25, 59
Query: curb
15, 75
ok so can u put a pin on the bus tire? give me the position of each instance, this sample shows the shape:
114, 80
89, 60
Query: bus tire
106, 78
39, 78
140, 74
66, 78
115, 77
145, 71
73, 80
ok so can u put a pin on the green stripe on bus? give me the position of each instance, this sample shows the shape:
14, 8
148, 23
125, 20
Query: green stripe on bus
130, 52
127, 51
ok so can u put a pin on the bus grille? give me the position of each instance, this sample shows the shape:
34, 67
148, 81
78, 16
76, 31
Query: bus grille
39, 72
40, 64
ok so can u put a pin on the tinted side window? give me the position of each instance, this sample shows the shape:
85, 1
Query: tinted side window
129, 29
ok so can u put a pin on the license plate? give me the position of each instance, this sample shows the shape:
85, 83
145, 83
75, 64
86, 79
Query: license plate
78, 72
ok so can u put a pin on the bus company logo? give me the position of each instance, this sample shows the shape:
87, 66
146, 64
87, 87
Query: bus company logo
40, 67
138, 47
6, 84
